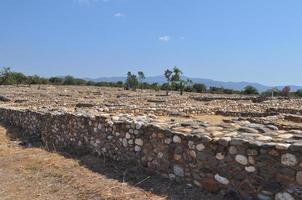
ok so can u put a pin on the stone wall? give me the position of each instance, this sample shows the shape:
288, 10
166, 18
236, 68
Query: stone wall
251, 170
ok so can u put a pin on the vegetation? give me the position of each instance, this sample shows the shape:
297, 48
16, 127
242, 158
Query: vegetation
250, 90
174, 82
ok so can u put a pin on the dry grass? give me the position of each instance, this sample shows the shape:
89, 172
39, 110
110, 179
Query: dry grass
33, 173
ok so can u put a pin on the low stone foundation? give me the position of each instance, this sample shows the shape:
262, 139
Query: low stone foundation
250, 169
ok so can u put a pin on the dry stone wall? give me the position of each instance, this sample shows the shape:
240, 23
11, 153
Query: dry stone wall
251, 170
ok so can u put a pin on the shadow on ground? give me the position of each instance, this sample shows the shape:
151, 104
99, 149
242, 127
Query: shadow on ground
129, 173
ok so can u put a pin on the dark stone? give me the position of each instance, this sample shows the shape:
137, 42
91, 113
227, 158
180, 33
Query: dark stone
272, 186
178, 149
210, 185
296, 147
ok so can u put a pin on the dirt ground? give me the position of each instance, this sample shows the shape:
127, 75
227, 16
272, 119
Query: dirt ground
27, 172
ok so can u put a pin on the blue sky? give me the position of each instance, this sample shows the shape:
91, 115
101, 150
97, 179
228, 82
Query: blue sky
230, 40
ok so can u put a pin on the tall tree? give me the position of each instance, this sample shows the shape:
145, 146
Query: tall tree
168, 75
141, 78
183, 84
132, 81
4, 75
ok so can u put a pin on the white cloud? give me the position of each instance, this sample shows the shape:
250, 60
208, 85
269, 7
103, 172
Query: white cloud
119, 14
181, 37
165, 38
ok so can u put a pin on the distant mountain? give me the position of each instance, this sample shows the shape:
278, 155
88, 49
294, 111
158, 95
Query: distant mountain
207, 82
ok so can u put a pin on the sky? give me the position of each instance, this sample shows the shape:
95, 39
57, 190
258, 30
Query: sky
226, 40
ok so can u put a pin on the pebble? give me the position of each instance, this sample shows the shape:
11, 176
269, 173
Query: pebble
289, 159
283, 196
139, 142
200, 147
221, 179
178, 170
176, 139
241, 159
219, 156
250, 169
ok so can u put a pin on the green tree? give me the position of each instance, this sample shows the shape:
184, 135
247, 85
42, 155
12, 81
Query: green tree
299, 93
184, 84
250, 90
56, 80
199, 87
5, 73
132, 81
141, 78
69, 80
168, 75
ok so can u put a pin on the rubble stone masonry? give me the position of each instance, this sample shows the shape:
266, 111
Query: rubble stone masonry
261, 168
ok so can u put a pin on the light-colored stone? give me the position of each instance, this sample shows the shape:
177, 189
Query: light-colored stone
289, 159
139, 142
125, 142
191, 145
283, 196
128, 136
250, 169
219, 156
200, 147
241, 159
221, 179
176, 139
264, 138
281, 146
137, 148
138, 125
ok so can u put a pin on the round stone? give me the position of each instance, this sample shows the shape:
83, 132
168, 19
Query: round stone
221, 179
178, 170
200, 147
176, 139
232, 150
250, 169
289, 159
139, 142
219, 156
241, 159
283, 196
128, 136
299, 177
137, 148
